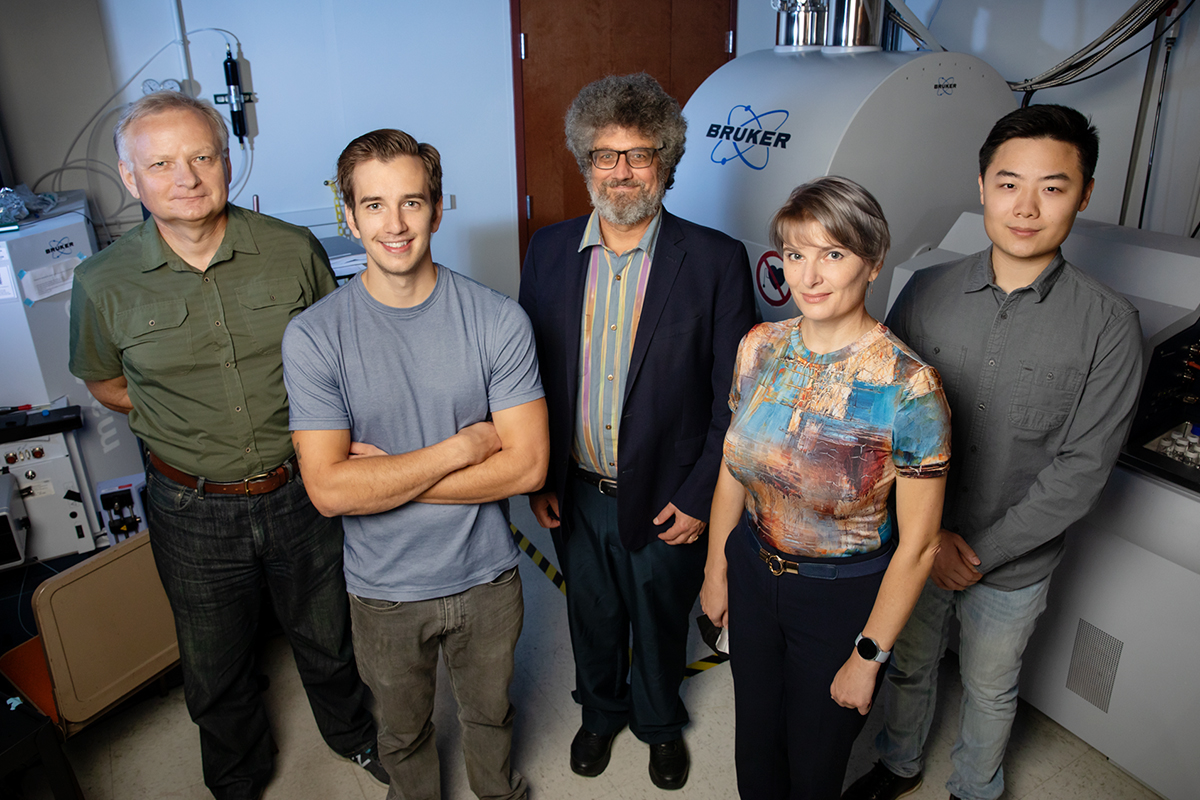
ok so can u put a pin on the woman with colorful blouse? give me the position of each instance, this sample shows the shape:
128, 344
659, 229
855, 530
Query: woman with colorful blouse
808, 568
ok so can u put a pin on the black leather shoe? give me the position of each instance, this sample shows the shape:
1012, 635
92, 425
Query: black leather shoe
669, 764
882, 784
590, 752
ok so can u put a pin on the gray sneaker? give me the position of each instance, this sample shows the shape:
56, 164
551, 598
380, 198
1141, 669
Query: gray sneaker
882, 784
369, 760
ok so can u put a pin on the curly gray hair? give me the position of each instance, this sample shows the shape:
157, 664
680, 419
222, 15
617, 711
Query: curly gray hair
635, 101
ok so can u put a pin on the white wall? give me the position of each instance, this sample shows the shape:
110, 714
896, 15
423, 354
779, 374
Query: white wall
1022, 38
325, 72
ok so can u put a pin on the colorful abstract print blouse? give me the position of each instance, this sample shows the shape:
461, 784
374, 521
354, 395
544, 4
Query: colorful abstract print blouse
818, 439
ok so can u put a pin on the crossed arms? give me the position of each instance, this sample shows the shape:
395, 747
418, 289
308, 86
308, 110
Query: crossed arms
482, 463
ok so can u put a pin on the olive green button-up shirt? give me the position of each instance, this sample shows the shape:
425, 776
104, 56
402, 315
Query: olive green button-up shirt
200, 350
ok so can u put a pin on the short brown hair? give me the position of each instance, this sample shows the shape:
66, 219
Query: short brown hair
850, 215
159, 102
387, 144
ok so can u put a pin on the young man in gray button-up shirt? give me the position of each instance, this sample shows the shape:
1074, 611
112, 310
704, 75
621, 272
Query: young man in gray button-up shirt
1041, 366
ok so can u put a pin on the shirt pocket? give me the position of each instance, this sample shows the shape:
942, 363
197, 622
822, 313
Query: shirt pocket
267, 307
1043, 395
155, 339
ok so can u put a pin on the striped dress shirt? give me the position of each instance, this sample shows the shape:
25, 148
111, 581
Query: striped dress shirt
612, 305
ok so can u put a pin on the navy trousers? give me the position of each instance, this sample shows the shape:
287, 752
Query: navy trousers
613, 592
788, 637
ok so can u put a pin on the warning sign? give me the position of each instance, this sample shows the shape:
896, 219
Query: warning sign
769, 279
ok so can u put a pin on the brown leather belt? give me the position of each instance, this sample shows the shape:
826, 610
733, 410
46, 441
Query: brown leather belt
255, 484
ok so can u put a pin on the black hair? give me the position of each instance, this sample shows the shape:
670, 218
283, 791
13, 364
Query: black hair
1060, 123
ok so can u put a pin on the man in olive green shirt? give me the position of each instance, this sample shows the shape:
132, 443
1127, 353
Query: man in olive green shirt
178, 324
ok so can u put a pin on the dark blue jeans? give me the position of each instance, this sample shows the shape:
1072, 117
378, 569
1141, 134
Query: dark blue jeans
214, 554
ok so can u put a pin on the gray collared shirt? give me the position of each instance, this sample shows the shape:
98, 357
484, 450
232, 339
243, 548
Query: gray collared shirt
1041, 383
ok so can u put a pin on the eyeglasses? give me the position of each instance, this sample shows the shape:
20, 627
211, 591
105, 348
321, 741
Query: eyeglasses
636, 157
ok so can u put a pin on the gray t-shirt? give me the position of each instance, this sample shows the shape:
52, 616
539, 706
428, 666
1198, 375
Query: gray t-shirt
403, 379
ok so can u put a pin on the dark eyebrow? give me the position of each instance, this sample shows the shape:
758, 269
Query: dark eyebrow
375, 199
1058, 176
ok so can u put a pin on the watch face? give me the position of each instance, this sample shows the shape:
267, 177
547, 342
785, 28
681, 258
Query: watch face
867, 648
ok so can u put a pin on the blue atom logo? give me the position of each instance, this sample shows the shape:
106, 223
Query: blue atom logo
743, 142
61, 247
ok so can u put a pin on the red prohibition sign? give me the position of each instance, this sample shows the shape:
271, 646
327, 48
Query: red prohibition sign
769, 279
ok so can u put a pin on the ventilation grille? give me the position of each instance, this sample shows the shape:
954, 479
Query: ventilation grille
1094, 664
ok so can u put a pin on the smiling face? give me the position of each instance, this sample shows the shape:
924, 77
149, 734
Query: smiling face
393, 216
1031, 193
828, 282
624, 195
176, 168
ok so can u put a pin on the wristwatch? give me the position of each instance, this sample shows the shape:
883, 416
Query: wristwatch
868, 649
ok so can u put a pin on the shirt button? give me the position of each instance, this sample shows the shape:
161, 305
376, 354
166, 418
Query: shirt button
617, 278
151, 323
991, 362
237, 408
612, 327
610, 377
1003, 315
247, 449
608, 427
272, 297
206, 280
937, 350
228, 365
974, 448
612, 464
982, 406
218, 323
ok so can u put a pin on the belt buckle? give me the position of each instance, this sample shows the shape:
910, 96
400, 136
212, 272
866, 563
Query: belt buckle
246, 482
607, 487
775, 564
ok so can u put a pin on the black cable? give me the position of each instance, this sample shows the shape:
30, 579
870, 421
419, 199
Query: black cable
1162, 89
1161, 34
1028, 96
1195, 231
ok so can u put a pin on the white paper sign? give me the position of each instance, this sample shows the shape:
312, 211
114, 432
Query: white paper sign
43, 282
7, 289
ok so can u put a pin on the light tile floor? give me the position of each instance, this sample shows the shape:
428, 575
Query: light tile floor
151, 750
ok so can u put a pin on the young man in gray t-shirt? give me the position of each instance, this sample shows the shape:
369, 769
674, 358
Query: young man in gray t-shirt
416, 407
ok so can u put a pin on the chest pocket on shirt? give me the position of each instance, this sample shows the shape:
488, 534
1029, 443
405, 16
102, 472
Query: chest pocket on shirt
154, 339
268, 306
1043, 395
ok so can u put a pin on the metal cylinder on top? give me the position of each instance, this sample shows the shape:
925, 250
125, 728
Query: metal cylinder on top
855, 24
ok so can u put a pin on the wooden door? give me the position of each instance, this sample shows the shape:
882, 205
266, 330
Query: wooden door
565, 46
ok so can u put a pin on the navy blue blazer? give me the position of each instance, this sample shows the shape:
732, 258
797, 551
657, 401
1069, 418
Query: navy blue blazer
699, 304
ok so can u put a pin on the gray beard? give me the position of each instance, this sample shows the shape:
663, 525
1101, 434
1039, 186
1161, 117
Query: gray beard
626, 211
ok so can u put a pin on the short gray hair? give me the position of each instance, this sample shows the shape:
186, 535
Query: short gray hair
850, 215
159, 102
635, 101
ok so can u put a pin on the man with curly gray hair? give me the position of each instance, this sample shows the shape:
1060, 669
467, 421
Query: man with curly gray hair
637, 315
